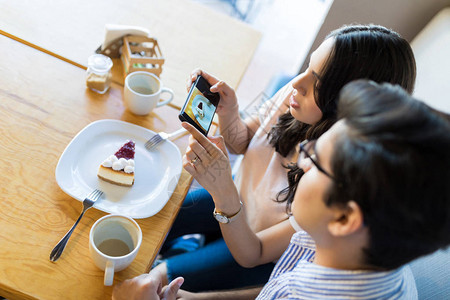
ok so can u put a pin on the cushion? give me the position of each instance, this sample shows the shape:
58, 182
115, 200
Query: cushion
432, 275
431, 50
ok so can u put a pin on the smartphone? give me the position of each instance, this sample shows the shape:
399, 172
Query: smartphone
200, 106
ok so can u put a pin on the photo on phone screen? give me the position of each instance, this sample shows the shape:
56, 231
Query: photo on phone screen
200, 106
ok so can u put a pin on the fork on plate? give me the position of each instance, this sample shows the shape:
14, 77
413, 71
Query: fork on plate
87, 203
158, 138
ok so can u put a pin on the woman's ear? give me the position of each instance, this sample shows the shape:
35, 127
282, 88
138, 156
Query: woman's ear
347, 221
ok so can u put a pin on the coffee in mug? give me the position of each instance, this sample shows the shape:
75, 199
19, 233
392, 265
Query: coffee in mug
114, 242
142, 92
114, 247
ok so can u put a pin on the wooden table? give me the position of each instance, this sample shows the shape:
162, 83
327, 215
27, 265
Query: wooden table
44, 104
189, 34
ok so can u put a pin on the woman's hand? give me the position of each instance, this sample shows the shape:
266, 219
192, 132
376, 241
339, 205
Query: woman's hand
147, 287
228, 101
206, 159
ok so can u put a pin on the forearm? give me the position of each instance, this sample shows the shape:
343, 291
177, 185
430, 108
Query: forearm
235, 132
242, 242
249, 293
213, 172
248, 248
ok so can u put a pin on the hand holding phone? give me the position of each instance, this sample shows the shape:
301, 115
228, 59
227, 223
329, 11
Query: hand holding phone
200, 106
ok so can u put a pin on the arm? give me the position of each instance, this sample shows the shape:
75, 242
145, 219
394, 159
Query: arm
250, 249
149, 287
213, 171
242, 294
236, 132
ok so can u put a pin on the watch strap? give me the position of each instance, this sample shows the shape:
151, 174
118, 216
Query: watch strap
227, 217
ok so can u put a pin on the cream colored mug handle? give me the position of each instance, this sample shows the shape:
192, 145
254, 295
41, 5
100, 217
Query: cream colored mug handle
164, 102
109, 273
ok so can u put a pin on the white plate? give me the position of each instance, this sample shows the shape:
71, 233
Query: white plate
156, 172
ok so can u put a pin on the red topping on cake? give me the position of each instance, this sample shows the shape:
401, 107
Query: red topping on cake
126, 151
116, 171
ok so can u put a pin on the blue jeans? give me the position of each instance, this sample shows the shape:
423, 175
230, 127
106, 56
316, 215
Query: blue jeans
211, 267
195, 216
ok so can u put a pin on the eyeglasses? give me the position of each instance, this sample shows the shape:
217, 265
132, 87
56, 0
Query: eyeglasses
308, 150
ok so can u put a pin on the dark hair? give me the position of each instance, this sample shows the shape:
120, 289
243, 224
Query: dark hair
359, 52
394, 162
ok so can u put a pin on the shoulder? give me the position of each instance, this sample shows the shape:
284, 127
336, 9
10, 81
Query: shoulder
311, 281
303, 239
301, 248
409, 288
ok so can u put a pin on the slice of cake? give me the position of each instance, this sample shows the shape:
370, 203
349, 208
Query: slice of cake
119, 168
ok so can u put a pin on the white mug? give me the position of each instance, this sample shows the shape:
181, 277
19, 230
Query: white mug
114, 242
142, 92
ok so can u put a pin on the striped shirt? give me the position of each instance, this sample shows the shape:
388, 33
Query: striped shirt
296, 277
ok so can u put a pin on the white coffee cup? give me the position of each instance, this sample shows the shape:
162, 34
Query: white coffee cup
142, 92
114, 242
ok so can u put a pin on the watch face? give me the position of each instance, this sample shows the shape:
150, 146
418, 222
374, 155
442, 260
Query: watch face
221, 218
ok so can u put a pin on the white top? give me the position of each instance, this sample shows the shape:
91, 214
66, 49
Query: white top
261, 174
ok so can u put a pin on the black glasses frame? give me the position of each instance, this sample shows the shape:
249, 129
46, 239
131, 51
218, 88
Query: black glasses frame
303, 148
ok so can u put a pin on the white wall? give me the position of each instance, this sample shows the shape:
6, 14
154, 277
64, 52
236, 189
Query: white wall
407, 17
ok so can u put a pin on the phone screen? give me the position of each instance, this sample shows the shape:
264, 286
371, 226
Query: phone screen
198, 108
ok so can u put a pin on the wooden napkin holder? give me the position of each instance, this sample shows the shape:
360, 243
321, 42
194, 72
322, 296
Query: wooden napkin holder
140, 53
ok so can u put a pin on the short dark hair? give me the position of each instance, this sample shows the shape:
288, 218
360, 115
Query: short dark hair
359, 52
394, 162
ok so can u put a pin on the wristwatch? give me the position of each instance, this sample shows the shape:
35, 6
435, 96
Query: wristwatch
223, 218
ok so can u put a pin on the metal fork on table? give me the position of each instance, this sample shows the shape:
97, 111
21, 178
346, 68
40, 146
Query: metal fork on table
87, 203
158, 138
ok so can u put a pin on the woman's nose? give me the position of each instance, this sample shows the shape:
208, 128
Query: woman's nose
298, 84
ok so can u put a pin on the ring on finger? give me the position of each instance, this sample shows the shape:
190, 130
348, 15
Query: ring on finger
195, 160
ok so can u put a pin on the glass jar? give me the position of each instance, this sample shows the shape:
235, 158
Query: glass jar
98, 74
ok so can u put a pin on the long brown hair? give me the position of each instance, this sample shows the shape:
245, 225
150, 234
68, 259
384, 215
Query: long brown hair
359, 51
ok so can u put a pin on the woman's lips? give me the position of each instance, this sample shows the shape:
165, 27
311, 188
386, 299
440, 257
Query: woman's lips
293, 103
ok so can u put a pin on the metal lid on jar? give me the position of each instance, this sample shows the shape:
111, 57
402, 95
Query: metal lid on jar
100, 62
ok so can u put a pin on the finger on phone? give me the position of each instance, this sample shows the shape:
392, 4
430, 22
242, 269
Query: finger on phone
212, 80
221, 87
208, 145
196, 134
188, 84
196, 72
193, 77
